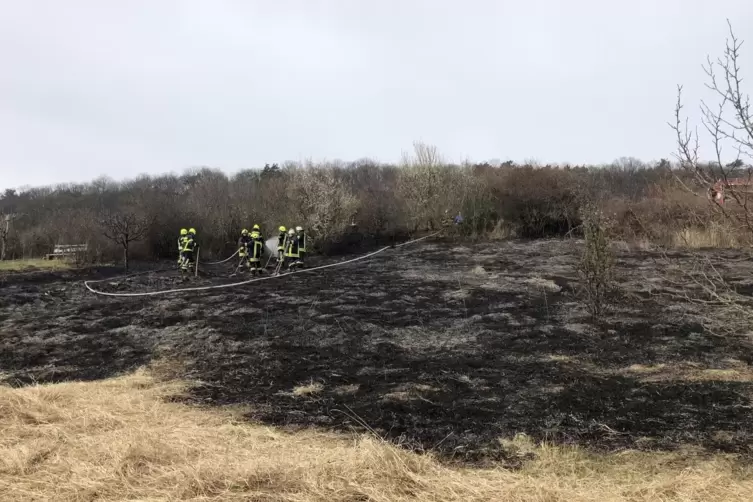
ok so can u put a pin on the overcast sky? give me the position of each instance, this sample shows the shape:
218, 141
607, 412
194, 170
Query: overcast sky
118, 88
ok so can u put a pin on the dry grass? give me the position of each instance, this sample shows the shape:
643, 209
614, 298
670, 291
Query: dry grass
645, 369
691, 372
308, 389
16, 265
713, 237
637, 244
502, 230
119, 440
479, 271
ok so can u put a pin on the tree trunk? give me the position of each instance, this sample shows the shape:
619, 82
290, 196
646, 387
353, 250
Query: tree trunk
4, 238
125, 256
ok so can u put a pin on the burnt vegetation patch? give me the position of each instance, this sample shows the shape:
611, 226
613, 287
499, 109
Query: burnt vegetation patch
439, 347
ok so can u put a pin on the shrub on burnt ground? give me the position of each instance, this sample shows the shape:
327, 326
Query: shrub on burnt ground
662, 217
537, 202
375, 187
322, 202
427, 188
596, 266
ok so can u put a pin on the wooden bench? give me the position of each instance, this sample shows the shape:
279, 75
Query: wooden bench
63, 250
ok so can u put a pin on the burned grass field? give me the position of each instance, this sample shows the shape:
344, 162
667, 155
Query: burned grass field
440, 347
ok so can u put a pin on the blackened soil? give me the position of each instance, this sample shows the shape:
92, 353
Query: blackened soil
440, 347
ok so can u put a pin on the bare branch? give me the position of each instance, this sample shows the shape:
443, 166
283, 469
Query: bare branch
719, 178
125, 227
727, 122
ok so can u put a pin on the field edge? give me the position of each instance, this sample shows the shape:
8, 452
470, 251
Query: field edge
127, 437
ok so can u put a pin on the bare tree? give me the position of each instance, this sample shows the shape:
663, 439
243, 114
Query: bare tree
324, 202
420, 185
125, 227
4, 232
729, 123
628, 164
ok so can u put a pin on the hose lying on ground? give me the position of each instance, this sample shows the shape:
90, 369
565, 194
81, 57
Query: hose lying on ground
249, 281
221, 261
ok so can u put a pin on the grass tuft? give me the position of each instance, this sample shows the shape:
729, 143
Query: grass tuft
714, 237
309, 389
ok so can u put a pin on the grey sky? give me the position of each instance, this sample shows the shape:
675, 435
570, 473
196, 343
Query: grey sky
120, 88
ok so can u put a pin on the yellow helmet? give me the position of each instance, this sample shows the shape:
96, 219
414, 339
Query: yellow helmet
283, 229
183, 231
256, 227
244, 232
255, 234
192, 231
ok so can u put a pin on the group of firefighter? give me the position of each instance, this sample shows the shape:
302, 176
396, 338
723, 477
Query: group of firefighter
187, 245
291, 246
291, 249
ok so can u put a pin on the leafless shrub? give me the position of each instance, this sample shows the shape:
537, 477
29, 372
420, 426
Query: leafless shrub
420, 186
536, 201
712, 300
728, 123
596, 266
375, 188
125, 227
323, 202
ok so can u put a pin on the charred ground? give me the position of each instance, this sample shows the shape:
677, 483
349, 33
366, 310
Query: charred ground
442, 347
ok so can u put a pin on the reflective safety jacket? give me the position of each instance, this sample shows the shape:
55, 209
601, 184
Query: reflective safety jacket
281, 241
243, 244
302, 241
255, 247
292, 250
189, 244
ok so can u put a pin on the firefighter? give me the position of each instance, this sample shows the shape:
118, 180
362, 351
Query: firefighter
195, 243
282, 239
255, 251
181, 240
190, 245
446, 219
243, 244
450, 224
301, 244
292, 249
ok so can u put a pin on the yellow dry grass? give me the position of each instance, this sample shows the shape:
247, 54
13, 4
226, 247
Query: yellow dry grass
713, 237
16, 265
736, 371
120, 440
308, 389
502, 230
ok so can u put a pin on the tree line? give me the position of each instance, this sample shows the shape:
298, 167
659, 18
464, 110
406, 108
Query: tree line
331, 199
